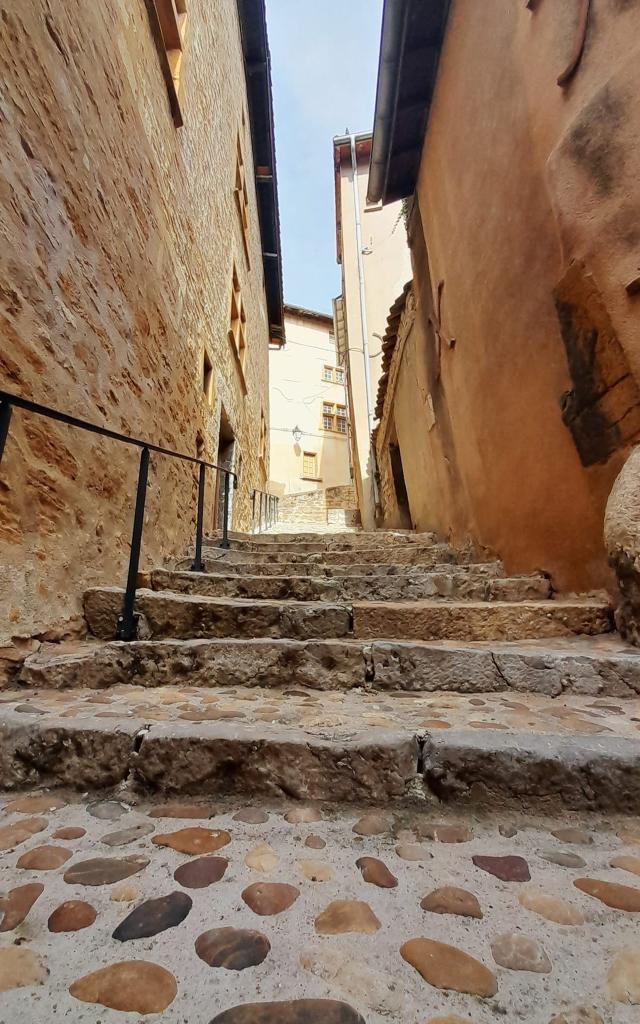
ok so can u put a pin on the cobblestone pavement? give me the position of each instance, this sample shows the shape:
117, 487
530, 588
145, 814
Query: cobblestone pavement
342, 713
194, 912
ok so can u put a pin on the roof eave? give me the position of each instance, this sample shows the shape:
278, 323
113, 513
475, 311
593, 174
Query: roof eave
397, 41
257, 61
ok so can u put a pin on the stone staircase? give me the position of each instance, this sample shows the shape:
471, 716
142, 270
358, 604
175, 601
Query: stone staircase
342, 667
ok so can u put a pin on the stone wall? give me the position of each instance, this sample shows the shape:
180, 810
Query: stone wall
336, 506
518, 396
119, 233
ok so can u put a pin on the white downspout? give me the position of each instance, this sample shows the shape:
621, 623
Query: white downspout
363, 314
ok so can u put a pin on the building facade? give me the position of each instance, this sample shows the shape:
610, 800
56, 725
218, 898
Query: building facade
374, 256
513, 388
140, 282
309, 423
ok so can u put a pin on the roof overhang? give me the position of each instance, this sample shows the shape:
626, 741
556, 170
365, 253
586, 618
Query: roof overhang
257, 62
412, 37
301, 313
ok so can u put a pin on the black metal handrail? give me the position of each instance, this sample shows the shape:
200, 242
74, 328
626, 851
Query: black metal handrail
127, 620
268, 510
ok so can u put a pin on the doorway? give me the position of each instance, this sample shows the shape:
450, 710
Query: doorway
400, 487
226, 459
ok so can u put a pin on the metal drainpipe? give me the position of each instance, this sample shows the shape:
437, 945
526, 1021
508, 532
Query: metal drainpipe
363, 314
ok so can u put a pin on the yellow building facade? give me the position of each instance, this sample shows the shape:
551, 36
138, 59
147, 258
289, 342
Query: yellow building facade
309, 418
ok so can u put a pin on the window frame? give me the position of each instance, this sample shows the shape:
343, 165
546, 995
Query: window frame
337, 414
313, 475
237, 333
241, 196
170, 21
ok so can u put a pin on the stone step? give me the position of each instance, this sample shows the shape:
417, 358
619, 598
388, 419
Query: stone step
595, 667
408, 555
478, 620
450, 584
309, 544
186, 617
567, 751
326, 538
220, 564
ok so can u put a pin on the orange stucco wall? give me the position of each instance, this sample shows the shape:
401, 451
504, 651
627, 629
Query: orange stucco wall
520, 181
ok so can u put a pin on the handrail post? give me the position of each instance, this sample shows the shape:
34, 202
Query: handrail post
253, 511
127, 621
5, 420
224, 543
260, 516
198, 565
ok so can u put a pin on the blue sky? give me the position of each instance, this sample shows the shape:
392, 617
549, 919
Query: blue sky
324, 66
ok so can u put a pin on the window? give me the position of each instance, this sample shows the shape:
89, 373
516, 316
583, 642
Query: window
334, 417
172, 18
237, 322
309, 465
207, 377
242, 197
333, 374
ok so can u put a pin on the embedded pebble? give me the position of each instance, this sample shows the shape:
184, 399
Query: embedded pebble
154, 916
376, 872
519, 953
234, 949
72, 916
451, 900
344, 916
132, 986
269, 898
618, 897
447, 967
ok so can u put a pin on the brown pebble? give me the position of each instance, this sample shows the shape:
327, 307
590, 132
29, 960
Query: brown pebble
72, 916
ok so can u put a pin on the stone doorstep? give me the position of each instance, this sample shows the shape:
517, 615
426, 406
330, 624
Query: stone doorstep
406, 555
477, 620
264, 759
182, 616
450, 584
603, 667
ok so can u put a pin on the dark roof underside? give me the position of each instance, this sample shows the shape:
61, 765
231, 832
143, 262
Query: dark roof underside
412, 37
255, 45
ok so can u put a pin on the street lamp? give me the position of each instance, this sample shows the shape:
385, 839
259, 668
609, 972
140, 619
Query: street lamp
297, 434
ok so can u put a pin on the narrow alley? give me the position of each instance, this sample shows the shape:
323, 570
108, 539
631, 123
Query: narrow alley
319, 512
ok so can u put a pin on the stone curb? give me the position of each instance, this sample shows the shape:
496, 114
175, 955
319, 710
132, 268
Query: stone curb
581, 773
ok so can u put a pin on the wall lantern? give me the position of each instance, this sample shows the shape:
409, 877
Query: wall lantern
297, 434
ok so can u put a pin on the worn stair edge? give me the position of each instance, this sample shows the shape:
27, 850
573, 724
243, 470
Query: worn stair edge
95, 755
577, 772
472, 620
181, 616
318, 543
215, 760
448, 585
336, 665
407, 555
491, 570
456, 767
